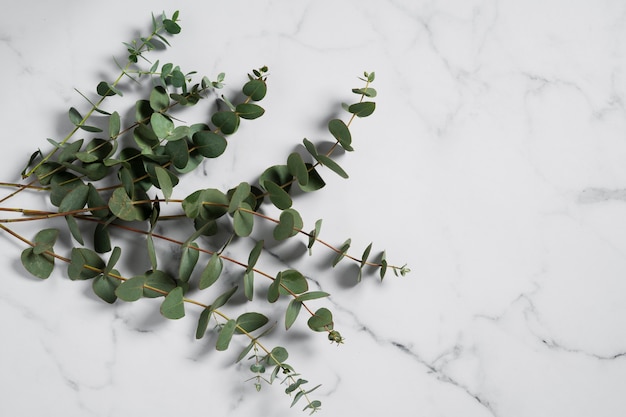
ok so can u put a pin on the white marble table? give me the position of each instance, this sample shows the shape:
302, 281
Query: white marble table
494, 165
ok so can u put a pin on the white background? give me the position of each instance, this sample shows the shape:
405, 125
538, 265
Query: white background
493, 166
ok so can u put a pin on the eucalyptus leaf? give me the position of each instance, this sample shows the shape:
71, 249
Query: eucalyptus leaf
85, 264
278, 196
158, 283
226, 121
225, 335
131, 289
165, 181
188, 261
159, 99
341, 132
104, 287
332, 165
114, 125
293, 309
298, 168
40, 265
209, 144
362, 109
255, 89
249, 322
292, 281
173, 306
249, 111
248, 285
243, 221
254, 255
277, 356
321, 321
211, 272
162, 125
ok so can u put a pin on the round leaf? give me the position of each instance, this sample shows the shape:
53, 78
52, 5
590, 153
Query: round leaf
173, 306
321, 321
209, 144
226, 121
250, 322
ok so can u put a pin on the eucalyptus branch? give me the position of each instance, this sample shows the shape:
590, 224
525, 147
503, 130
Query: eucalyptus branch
106, 182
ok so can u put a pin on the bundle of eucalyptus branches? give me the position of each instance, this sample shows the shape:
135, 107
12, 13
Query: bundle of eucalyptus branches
114, 183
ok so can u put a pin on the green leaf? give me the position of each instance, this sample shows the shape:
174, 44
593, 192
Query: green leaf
173, 306
278, 174
44, 241
114, 125
75, 117
72, 225
240, 193
254, 255
383, 265
278, 196
104, 287
171, 26
162, 125
165, 181
315, 181
226, 121
249, 322
105, 89
362, 109
366, 254
290, 224
273, 291
203, 322
159, 99
249, 111
341, 132
277, 356
342, 252
243, 221
188, 261
178, 150
158, 280
322, 320
211, 272
313, 234
40, 265
122, 206
255, 89
75, 199
367, 92
293, 281
248, 284
225, 335
312, 295
68, 152
91, 129
310, 147
209, 144
145, 138
101, 238
298, 168
85, 264
293, 309
332, 165
131, 289
208, 204
223, 298
143, 111
96, 203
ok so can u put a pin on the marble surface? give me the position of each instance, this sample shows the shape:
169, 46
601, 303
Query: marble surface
494, 166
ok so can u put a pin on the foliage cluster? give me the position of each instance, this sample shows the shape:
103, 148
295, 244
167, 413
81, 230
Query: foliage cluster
112, 180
